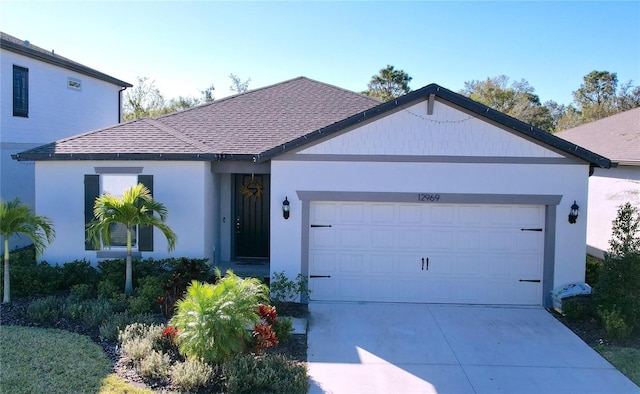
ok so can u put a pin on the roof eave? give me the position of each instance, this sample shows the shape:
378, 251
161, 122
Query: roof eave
29, 156
22, 50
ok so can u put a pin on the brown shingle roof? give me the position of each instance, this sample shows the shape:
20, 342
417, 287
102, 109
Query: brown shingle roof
245, 124
616, 137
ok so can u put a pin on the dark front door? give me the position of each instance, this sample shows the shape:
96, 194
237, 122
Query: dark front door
252, 216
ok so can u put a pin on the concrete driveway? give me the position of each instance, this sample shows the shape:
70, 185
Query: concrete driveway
421, 348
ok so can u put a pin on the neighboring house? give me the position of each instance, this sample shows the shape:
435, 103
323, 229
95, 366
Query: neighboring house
45, 97
618, 138
431, 197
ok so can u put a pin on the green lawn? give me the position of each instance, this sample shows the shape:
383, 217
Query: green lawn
625, 359
35, 360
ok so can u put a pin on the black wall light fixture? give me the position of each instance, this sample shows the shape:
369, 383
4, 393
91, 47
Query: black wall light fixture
285, 208
573, 215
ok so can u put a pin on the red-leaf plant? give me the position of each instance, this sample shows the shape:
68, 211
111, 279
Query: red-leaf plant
263, 332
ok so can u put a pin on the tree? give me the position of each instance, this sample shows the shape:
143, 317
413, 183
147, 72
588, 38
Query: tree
625, 238
598, 97
237, 85
143, 100
517, 99
19, 219
135, 208
389, 84
181, 103
207, 94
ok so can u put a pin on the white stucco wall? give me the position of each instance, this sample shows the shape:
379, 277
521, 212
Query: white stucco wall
608, 189
55, 112
184, 187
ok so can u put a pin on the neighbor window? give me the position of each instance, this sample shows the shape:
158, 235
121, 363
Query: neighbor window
20, 91
116, 184
74, 83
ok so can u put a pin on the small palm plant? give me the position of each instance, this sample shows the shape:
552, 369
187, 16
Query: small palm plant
135, 208
212, 321
19, 219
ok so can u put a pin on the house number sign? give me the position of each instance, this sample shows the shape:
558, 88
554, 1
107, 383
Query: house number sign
428, 197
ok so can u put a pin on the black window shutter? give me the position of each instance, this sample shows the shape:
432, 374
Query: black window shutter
145, 233
20, 91
91, 192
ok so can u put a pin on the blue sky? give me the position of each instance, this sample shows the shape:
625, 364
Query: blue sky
187, 46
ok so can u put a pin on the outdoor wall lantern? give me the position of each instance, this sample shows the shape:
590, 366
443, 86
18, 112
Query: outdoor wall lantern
285, 208
573, 215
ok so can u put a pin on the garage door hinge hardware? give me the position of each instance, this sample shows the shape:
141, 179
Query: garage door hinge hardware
530, 280
319, 276
320, 225
530, 229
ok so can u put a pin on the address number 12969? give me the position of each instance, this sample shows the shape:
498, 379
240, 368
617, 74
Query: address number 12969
428, 197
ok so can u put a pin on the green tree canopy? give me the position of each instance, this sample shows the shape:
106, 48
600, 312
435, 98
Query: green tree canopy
135, 208
516, 99
598, 97
388, 84
19, 219
237, 85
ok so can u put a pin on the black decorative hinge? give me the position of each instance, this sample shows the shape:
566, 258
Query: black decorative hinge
530, 229
319, 276
320, 225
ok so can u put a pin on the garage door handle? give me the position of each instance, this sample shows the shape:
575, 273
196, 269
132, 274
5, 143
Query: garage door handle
423, 264
530, 280
427, 264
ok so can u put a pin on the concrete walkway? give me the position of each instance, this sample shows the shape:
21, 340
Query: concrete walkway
419, 348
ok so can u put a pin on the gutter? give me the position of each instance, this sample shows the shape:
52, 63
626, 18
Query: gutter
123, 88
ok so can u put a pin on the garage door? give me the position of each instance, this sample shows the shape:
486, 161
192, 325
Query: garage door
440, 253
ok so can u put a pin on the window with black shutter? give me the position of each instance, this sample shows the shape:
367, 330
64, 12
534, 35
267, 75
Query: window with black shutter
20, 91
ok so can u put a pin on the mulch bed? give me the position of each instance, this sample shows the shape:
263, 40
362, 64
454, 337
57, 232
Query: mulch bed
593, 334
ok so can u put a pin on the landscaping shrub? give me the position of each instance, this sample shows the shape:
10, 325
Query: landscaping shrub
110, 328
212, 320
615, 324
265, 374
113, 271
625, 236
618, 289
579, 307
29, 279
46, 310
96, 312
283, 327
155, 365
79, 272
192, 374
284, 289
146, 296
82, 292
140, 339
593, 267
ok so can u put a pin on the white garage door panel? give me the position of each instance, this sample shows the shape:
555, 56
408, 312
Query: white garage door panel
426, 253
